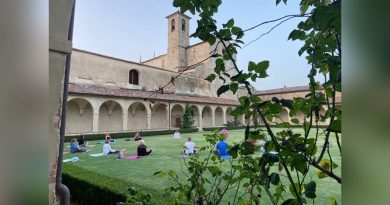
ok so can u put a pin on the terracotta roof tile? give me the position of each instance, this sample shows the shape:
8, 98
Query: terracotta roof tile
283, 90
121, 92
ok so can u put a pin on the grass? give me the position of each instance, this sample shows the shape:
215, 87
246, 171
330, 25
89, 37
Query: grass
165, 155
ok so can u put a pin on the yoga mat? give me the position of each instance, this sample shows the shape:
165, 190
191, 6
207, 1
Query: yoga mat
226, 157
103, 142
132, 157
73, 159
97, 155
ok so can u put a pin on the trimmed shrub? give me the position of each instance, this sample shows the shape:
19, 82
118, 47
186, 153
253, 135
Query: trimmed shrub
89, 187
221, 128
100, 136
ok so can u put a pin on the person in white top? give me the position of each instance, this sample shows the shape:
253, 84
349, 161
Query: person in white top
107, 148
176, 135
189, 147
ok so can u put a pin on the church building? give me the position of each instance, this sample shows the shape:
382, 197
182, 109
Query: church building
112, 94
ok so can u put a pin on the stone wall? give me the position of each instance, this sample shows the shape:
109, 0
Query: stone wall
99, 114
158, 61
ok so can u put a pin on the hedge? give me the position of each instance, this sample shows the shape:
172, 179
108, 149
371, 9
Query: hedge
89, 187
220, 128
252, 126
100, 136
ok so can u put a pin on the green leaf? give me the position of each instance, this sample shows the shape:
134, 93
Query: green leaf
295, 121
291, 187
310, 190
275, 108
255, 99
300, 163
297, 34
222, 89
211, 39
262, 66
171, 173
211, 77
234, 151
278, 1
234, 87
254, 77
230, 23
304, 7
236, 31
335, 126
274, 178
290, 202
219, 66
160, 174
251, 66
332, 201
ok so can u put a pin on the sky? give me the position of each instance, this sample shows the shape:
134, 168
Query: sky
128, 29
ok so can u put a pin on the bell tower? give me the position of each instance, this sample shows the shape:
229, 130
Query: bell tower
178, 41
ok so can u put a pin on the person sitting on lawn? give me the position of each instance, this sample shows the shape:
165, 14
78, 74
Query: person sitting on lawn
142, 149
177, 134
82, 142
225, 132
74, 147
107, 148
221, 148
189, 147
137, 136
107, 136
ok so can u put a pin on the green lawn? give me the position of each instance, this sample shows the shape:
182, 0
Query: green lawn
165, 155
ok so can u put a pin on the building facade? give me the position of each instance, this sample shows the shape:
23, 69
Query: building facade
111, 94
114, 95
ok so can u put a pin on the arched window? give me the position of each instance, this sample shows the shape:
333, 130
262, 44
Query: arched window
183, 24
173, 25
133, 77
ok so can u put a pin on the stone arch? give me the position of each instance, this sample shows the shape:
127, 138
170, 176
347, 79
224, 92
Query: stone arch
159, 116
218, 116
300, 116
110, 116
229, 116
79, 116
195, 115
248, 120
283, 116
137, 116
207, 115
177, 112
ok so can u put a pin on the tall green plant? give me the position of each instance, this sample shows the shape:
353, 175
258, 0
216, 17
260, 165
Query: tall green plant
188, 119
292, 154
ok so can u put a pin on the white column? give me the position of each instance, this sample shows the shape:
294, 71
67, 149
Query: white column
251, 121
124, 120
200, 121
168, 119
212, 119
95, 122
243, 120
148, 121
224, 116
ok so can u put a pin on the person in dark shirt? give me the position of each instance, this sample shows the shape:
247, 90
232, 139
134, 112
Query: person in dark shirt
142, 149
137, 136
74, 147
82, 142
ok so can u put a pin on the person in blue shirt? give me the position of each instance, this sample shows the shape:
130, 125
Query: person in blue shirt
221, 148
74, 147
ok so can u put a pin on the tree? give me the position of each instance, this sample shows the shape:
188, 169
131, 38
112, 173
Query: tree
290, 153
188, 119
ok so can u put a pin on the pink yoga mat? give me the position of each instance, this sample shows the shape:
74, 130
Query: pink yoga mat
133, 157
